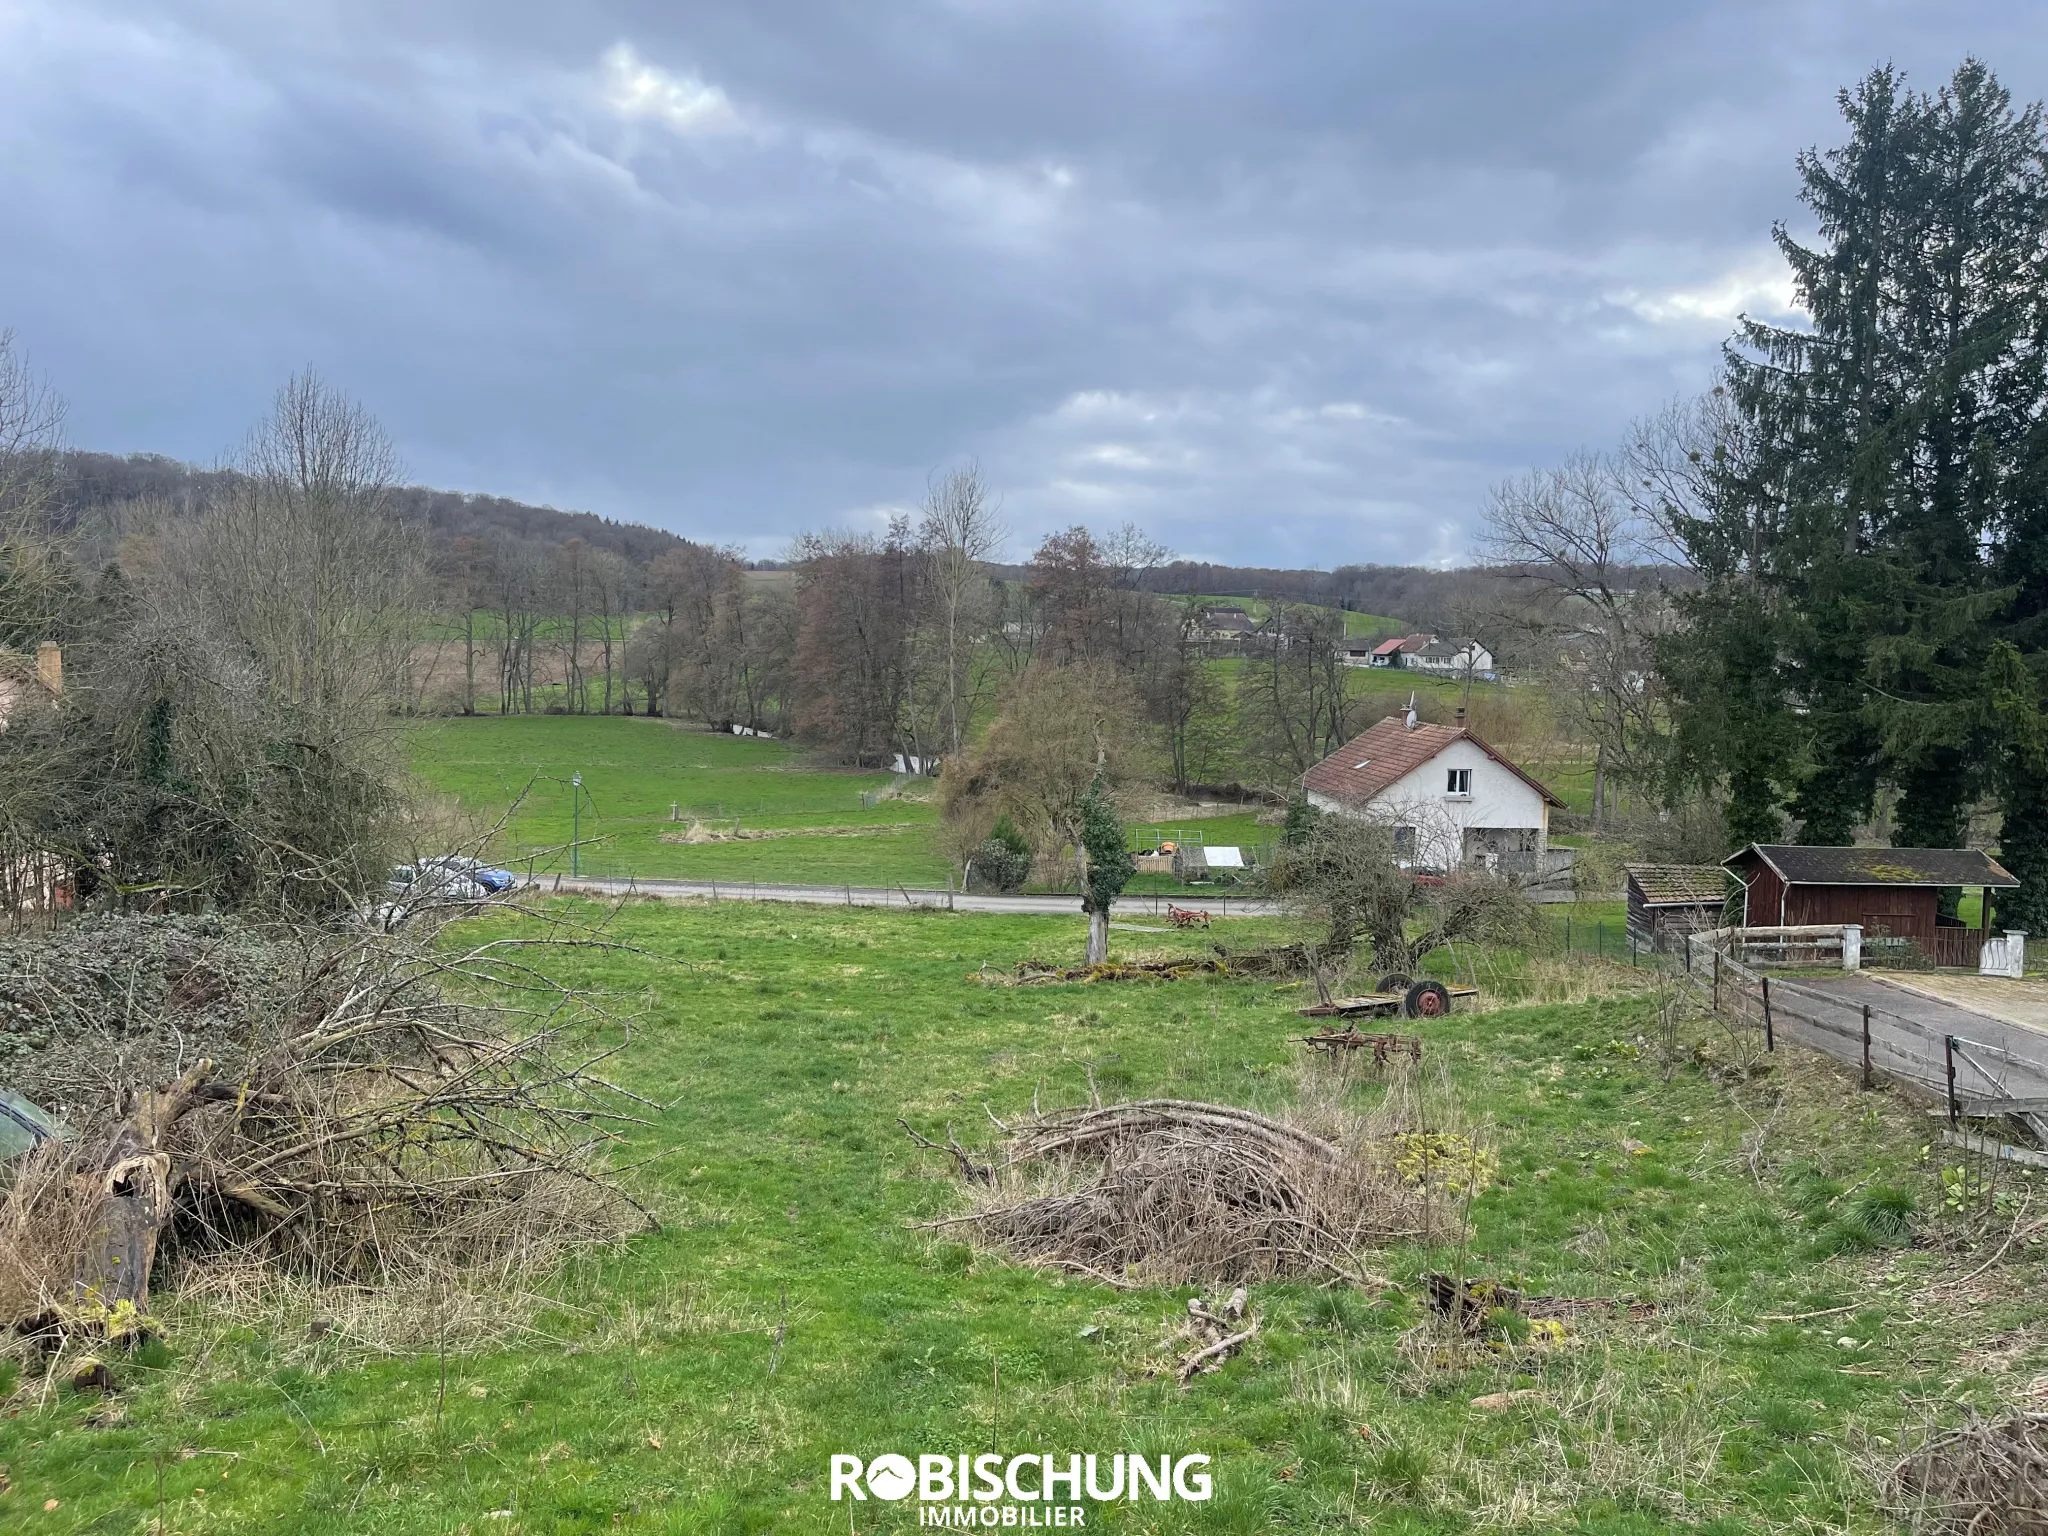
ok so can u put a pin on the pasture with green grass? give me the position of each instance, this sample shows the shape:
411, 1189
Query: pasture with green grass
822, 825
794, 1306
761, 810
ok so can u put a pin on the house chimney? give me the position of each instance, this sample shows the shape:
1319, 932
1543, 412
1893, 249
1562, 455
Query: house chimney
1461, 717
50, 666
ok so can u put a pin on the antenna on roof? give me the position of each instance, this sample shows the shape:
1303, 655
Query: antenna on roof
1411, 710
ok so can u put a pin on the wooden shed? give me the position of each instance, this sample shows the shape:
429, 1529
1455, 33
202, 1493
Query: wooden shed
1893, 893
1668, 901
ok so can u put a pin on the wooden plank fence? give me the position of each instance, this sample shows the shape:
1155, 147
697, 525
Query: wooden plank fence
1970, 1077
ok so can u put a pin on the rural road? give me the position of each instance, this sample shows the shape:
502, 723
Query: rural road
1994, 1058
895, 896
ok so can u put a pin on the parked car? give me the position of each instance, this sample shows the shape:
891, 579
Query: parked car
488, 876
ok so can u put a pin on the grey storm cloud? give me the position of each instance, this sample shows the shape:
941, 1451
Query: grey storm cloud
1283, 282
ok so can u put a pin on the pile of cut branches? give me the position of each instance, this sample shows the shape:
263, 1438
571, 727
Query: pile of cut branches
1169, 1191
1038, 973
1987, 1478
1279, 962
387, 1105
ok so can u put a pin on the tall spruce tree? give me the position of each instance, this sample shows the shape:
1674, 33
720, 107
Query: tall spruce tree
1869, 546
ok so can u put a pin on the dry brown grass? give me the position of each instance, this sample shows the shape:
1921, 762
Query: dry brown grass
1987, 1477
1542, 979
46, 1215
700, 832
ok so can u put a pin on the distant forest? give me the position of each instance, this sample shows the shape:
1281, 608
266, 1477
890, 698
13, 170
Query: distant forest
95, 482
98, 481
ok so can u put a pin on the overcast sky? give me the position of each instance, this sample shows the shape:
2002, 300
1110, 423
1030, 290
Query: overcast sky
1285, 283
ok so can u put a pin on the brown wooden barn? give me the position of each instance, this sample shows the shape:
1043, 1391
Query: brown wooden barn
1667, 901
1893, 893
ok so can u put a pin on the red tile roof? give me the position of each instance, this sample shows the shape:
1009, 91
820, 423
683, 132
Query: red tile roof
1388, 647
1388, 752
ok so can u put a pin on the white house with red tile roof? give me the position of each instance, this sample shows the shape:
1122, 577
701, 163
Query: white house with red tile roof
1451, 799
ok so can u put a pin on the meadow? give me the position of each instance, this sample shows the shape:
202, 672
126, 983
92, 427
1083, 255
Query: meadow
516, 772
825, 826
698, 1379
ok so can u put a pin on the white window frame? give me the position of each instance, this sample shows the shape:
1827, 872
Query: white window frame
1458, 784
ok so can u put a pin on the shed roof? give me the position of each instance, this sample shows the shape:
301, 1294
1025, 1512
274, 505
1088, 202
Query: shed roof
1389, 647
1389, 752
1679, 885
1875, 866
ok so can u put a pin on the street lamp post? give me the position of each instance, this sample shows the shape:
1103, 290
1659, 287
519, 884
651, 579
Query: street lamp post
575, 822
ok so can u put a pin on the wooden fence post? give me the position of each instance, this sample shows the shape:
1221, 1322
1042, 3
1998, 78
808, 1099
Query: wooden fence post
1948, 1051
1717, 981
1866, 1045
1770, 1036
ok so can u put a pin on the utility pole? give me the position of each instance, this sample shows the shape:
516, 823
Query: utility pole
575, 821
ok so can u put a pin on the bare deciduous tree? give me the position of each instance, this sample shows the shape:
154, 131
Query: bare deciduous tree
34, 573
1291, 696
1055, 729
300, 565
1582, 547
961, 531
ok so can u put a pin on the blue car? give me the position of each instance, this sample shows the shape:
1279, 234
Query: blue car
462, 866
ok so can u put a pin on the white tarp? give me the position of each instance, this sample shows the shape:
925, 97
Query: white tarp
1225, 858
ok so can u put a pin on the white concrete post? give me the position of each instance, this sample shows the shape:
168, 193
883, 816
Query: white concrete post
1852, 947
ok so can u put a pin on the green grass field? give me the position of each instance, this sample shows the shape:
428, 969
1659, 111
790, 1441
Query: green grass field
634, 769
699, 1379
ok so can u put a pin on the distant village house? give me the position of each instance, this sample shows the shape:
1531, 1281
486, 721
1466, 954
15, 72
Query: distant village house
1451, 800
1425, 653
25, 680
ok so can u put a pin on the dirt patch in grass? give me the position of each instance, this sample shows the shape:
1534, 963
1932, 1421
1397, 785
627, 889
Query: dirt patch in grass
697, 832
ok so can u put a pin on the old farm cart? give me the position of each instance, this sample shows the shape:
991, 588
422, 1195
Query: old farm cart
1423, 999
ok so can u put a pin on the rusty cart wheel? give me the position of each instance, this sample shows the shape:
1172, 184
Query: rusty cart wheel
1393, 981
1427, 1000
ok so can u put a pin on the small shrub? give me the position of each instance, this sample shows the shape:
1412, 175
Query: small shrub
996, 866
1005, 832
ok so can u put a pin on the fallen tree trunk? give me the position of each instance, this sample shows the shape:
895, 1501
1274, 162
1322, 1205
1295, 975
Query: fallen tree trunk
134, 1196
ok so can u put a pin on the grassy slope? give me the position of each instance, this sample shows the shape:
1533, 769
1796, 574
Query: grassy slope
786, 1043
633, 769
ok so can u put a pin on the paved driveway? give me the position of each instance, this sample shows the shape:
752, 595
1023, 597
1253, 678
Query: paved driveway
1995, 1057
